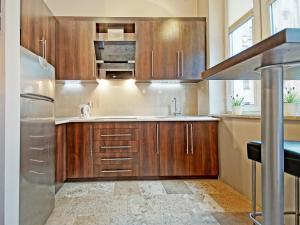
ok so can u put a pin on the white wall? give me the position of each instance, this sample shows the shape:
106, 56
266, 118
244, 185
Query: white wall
237, 9
10, 113
128, 8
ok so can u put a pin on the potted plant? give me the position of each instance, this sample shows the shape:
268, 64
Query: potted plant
290, 102
237, 104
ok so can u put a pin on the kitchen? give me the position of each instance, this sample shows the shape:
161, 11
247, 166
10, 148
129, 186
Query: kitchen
150, 126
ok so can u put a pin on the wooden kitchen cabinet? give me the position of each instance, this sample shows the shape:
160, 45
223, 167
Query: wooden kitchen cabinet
80, 150
75, 52
204, 149
174, 160
145, 67
60, 156
150, 149
116, 149
38, 29
188, 149
192, 49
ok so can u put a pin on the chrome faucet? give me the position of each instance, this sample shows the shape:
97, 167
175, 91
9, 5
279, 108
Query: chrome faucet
175, 113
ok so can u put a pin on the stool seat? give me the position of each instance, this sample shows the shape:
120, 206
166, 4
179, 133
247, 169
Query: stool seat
291, 155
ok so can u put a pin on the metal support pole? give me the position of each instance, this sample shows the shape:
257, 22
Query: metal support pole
272, 145
254, 189
297, 200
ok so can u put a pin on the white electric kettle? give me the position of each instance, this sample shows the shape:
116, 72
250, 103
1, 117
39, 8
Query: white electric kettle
85, 110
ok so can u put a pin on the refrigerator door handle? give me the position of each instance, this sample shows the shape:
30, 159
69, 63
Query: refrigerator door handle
37, 97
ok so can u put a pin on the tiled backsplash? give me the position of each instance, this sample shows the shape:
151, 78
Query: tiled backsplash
117, 98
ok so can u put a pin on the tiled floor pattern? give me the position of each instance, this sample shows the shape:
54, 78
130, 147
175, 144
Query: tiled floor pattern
178, 202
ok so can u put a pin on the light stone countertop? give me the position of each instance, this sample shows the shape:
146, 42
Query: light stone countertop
250, 116
63, 120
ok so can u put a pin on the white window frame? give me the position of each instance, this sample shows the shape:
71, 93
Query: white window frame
229, 84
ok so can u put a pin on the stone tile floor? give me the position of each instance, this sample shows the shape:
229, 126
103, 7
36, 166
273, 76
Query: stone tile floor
178, 202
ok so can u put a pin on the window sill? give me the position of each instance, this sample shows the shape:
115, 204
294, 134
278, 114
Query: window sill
251, 116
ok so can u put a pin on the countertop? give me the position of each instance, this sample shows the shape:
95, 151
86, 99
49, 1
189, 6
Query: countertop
63, 120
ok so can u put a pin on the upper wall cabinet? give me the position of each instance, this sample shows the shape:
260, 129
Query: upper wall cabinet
171, 49
75, 50
38, 29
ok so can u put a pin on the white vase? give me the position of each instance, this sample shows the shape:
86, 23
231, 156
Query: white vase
290, 109
237, 110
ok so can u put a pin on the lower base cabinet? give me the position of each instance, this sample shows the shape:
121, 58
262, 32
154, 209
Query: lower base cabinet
80, 150
60, 156
145, 149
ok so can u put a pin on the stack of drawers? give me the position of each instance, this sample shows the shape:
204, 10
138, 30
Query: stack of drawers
116, 149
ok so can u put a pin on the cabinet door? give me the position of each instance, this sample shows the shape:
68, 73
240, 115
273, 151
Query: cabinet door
145, 68
174, 160
192, 49
75, 55
204, 150
166, 57
80, 150
149, 150
60, 156
32, 12
49, 35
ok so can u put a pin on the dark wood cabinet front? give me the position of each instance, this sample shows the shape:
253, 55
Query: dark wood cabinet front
174, 160
204, 149
75, 50
150, 149
38, 29
80, 150
60, 156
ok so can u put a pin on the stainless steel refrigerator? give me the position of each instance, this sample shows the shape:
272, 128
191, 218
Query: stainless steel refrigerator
37, 190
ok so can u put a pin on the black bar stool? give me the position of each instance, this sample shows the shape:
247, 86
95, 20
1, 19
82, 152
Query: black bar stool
291, 166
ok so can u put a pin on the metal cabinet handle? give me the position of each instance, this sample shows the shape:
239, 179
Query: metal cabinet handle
115, 147
187, 138
91, 139
116, 135
37, 161
117, 159
43, 46
36, 149
182, 63
34, 172
157, 139
178, 64
45, 49
192, 139
115, 171
152, 63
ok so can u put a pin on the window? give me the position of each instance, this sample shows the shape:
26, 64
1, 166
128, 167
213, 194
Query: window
284, 14
240, 39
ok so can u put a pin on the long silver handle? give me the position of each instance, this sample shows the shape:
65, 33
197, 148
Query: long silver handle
192, 139
115, 147
182, 63
36, 149
152, 63
37, 161
116, 171
157, 139
187, 138
178, 64
116, 135
45, 49
91, 139
117, 159
36, 97
42, 42
34, 172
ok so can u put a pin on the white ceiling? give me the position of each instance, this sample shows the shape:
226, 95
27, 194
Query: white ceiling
128, 8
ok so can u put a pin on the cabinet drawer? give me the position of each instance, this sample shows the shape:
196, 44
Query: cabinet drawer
116, 146
116, 125
120, 134
115, 171
116, 164
116, 158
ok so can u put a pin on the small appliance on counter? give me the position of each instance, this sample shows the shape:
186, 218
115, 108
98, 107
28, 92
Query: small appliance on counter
86, 110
